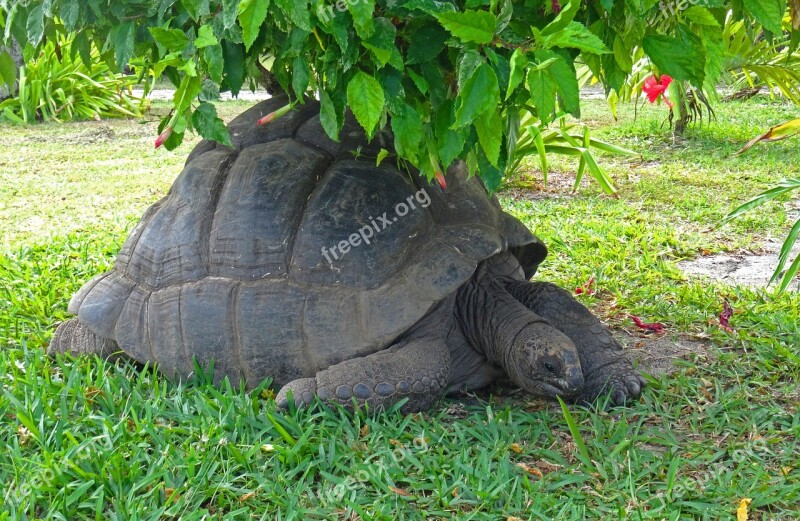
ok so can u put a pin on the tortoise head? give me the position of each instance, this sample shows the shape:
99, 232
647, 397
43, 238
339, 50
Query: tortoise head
543, 361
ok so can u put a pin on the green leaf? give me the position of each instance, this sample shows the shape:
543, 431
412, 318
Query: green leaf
362, 10
35, 25
230, 10
470, 26
491, 175
450, 142
381, 43
82, 47
8, 69
683, 58
196, 8
297, 11
215, 62
408, 132
186, 93
209, 125
383, 154
701, 16
622, 55
563, 19
70, 12
234, 65
563, 75
490, 135
329, 115
480, 94
543, 94
468, 63
768, 13
173, 40
122, 38
577, 36
205, 37
301, 75
518, 64
427, 43
366, 99
252, 14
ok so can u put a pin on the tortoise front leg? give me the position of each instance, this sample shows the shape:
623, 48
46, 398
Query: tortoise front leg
417, 369
604, 365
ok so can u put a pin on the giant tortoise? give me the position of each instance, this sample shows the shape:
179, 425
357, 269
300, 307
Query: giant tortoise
296, 258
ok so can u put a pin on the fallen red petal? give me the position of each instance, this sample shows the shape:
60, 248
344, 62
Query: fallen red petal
725, 316
587, 287
655, 327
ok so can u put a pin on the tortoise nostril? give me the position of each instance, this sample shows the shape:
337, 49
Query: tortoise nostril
575, 379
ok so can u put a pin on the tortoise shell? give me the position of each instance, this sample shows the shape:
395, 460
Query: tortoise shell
231, 266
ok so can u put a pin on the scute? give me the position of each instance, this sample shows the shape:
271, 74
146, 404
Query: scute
100, 307
260, 207
269, 322
172, 247
354, 204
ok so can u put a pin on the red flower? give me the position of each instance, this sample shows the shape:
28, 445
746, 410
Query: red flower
163, 136
440, 178
275, 115
656, 88
556, 6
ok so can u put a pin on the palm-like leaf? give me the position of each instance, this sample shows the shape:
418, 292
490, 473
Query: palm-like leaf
753, 60
58, 89
563, 138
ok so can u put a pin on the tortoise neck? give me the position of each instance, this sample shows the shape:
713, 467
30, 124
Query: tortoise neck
490, 317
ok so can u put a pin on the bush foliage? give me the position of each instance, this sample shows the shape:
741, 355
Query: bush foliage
451, 78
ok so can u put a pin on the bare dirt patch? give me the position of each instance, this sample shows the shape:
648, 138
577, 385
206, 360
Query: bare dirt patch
656, 354
747, 268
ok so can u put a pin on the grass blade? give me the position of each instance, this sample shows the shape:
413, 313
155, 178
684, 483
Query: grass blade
576, 434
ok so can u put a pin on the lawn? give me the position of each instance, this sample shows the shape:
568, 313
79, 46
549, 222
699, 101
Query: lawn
92, 439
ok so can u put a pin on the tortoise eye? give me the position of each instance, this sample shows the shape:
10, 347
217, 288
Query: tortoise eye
551, 366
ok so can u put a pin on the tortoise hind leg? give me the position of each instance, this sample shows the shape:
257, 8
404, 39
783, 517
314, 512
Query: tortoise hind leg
603, 362
417, 369
75, 338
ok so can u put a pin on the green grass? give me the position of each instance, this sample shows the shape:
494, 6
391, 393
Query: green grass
90, 439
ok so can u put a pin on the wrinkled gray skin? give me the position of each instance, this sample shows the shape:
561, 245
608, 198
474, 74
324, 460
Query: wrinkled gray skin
227, 270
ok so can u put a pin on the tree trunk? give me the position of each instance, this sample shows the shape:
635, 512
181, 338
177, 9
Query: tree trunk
15, 51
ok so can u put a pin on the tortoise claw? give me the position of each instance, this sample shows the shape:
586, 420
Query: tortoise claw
302, 390
618, 379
